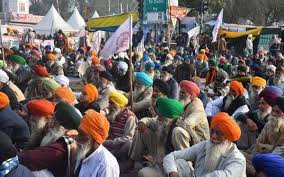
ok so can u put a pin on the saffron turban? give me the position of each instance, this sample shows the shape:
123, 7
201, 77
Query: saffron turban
41, 108
95, 60
270, 93
41, 70
18, 59
4, 100
91, 91
144, 79
94, 53
272, 165
51, 56
169, 108
258, 81
118, 98
190, 87
229, 126
96, 125
237, 87
65, 94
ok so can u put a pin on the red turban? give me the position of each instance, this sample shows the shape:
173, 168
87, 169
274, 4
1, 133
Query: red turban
237, 87
41, 108
41, 70
190, 87
65, 94
96, 125
95, 60
4, 100
91, 91
229, 126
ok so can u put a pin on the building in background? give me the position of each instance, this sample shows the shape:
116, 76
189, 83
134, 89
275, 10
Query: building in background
110, 7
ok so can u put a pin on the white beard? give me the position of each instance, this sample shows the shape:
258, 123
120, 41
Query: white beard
83, 149
37, 131
213, 155
262, 115
112, 114
52, 135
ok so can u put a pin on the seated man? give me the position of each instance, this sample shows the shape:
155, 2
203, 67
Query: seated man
153, 139
257, 85
253, 122
217, 157
193, 126
214, 72
122, 125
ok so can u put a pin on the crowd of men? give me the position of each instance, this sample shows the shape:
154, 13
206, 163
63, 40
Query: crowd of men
189, 114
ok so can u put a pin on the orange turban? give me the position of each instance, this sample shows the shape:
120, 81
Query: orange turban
65, 94
94, 53
51, 56
41, 70
96, 125
95, 60
201, 56
91, 91
41, 108
237, 87
229, 126
4, 100
190, 87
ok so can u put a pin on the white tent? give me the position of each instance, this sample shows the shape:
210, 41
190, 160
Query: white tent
51, 23
95, 15
76, 20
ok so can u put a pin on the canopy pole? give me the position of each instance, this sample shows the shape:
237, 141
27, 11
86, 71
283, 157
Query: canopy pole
130, 64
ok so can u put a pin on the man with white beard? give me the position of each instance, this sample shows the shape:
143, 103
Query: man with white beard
253, 122
278, 79
43, 128
257, 85
218, 156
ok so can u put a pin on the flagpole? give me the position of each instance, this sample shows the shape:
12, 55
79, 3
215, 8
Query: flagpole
130, 64
1, 40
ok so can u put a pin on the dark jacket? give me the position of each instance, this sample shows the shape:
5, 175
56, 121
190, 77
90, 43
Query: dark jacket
173, 93
12, 96
236, 103
184, 71
14, 126
20, 171
83, 107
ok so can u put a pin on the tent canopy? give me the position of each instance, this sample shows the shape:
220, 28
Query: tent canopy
51, 23
95, 15
76, 20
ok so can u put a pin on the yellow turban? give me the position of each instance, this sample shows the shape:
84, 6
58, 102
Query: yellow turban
118, 98
258, 81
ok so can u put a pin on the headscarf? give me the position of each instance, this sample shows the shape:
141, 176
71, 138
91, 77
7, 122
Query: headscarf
41, 108
258, 81
144, 79
18, 59
237, 87
270, 93
279, 101
91, 92
162, 86
95, 125
169, 108
118, 98
272, 165
4, 78
65, 94
4, 100
95, 60
51, 56
41, 70
190, 87
62, 80
228, 125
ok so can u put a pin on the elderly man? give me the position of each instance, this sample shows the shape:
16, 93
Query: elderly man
193, 126
242, 75
278, 79
92, 73
12, 124
234, 103
122, 125
122, 79
253, 122
142, 94
53, 65
167, 76
93, 132
257, 85
153, 139
217, 157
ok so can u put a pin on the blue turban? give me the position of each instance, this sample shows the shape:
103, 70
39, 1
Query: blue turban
144, 79
146, 57
272, 165
157, 65
149, 65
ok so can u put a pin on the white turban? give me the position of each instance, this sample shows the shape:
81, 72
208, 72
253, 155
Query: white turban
62, 80
57, 50
4, 78
122, 66
271, 68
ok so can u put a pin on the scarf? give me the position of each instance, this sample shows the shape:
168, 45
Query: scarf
8, 165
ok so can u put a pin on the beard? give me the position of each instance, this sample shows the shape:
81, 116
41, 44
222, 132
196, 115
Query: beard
185, 101
264, 114
37, 128
228, 102
113, 112
137, 92
279, 80
253, 97
83, 148
214, 153
52, 135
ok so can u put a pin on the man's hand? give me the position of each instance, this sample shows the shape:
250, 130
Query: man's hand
173, 174
141, 127
251, 125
